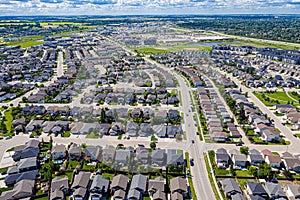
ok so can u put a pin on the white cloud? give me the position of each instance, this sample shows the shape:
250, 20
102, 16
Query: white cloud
59, 7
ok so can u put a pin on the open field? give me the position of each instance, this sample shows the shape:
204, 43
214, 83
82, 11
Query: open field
273, 98
242, 41
27, 41
181, 47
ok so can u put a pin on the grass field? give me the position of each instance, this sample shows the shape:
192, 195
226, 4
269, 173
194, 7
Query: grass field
271, 99
27, 41
158, 50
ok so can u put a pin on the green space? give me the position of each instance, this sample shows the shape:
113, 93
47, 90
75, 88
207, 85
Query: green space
214, 187
27, 41
72, 164
180, 47
66, 134
92, 135
262, 44
243, 173
273, 98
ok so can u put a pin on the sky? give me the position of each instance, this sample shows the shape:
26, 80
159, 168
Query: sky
127, 7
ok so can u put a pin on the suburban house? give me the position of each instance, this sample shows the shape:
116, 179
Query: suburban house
156, 188
99, 187
80, 185
22, 190
293, 191
275, 191
230, 187
222, 158
108, 153
93, 153
75, 151
256, 189
59, 188
58, 152
178, 188
119, 186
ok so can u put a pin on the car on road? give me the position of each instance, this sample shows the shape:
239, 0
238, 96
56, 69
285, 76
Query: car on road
191, 161
9, 137
193, 141
141, 145
239, 144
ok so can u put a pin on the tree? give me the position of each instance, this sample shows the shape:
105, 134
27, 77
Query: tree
232, 171
153, 145
252, 171
244, 150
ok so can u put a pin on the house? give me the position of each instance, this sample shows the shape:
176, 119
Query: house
80, 185
274, 161
275, 191
270, 135
256, 189
292, 163
238, 196
139, 182
75, 151
134, 194
239, 160
99, 187
108, 153
93, 153
119, 182
15, 178
132, 128
173, 158
222, 158
178, 187
156, 188
172, 131
116, 129
123, 157
145, 130
59, 188
293, 191
159, 157
119, 195
142, 155
160, 130
230, 187
255, 157
285, 108
22, 190
58, 152
27, 164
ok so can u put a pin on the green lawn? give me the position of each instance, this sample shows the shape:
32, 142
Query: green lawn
9, 119
107, 175
242, 173
92, 135
222, 172
271, 99
69, 175
175, 48
66, 134
72, 164
28, 41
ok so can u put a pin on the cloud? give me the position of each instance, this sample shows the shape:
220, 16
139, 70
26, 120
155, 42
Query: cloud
63, 7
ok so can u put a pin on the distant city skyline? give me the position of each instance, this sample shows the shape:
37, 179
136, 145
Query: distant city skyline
127, 7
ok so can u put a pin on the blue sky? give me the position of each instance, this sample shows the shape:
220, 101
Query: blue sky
121, 7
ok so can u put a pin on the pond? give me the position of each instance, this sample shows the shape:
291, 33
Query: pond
207, 44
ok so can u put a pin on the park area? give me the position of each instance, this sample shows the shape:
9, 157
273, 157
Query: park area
271, 98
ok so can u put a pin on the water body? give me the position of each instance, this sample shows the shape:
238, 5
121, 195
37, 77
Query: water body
207, 44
